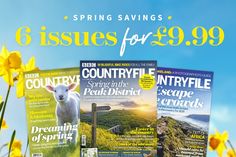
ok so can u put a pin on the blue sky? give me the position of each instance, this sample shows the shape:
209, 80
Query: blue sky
187, 14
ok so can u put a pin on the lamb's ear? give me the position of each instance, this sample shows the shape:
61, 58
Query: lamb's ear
72, 86
50, 88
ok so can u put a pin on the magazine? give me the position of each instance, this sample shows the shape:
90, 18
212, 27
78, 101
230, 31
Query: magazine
184, 102
52, 104
118, 107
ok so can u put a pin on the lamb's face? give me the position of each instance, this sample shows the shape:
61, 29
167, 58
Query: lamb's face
61, 93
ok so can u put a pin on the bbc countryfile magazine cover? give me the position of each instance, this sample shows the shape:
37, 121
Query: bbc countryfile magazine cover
184, 104
52, 102
37, 36
118, 107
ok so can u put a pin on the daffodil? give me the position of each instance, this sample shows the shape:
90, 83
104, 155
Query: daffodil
16, 153
16, 148
4, 124
231, 153
30, 66
218, 141
16, 144
0, 99
10, 63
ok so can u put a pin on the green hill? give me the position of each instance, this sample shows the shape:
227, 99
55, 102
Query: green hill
108, 141
173, 136
128, 119
105, 139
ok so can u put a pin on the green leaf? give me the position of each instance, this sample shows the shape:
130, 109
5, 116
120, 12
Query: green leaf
4, 107
26, 147
1, 105
2, 115
12, 139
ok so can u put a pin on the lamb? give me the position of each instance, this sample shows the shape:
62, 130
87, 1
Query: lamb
68, 107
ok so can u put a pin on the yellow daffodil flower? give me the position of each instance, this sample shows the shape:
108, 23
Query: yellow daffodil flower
10, 62
0, 99
30, 66
16, 153
218, 141
16, 144
231, 153
4, 124
16, 148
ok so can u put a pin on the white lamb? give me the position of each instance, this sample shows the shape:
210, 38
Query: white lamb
68, 107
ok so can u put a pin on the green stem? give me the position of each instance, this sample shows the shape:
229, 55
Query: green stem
11, 142
232, 147
4, 106
26, 147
